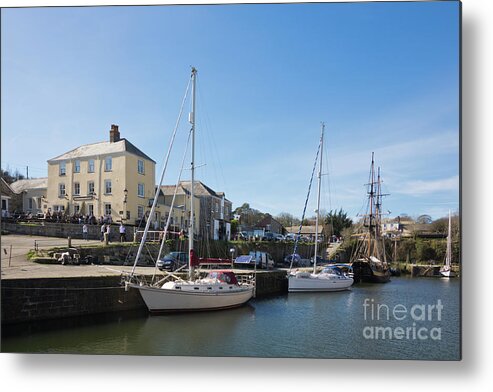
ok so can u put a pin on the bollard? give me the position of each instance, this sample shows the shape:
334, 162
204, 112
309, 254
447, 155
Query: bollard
69, 242
106, 238
135, 236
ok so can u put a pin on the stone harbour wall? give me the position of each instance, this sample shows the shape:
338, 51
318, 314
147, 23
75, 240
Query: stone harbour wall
28, 300
51, 298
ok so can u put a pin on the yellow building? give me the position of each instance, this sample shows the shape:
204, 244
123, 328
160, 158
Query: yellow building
110, 179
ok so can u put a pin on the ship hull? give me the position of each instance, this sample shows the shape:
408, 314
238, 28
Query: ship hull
296, 284
364, 272
160, 300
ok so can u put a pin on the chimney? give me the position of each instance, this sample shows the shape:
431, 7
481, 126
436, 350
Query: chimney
114, 133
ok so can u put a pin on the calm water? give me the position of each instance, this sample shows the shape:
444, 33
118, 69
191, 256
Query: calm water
315, 325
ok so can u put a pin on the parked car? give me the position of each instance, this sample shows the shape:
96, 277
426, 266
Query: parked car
290, 237
172, 261
268, 237
279, 237
295, 257
243, 235
260, 259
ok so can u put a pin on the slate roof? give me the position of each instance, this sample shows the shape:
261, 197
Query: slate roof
101, 148
33, 183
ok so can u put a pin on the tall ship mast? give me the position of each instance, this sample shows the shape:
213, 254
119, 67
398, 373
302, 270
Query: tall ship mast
369, 261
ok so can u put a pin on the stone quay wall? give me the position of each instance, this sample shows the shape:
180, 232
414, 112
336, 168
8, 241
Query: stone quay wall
50, 298
28, 300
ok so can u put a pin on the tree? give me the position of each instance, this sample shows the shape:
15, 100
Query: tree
338, 220
248, 216
287, 220
11, 177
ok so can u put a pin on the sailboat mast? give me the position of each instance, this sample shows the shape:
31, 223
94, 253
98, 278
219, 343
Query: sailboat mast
448, 257
318, 198
192, 169
370, 228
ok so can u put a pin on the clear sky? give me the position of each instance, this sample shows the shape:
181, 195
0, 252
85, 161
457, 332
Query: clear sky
384, 77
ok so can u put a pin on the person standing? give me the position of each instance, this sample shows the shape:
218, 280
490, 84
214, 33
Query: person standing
84, 231
108, 232
122, 233
103, 230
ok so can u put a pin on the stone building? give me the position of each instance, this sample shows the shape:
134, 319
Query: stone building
214, 213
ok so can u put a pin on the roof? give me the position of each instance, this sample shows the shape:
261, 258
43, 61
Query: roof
5, 188
268, 220
34, 183
101, 148
200, 189
304, 229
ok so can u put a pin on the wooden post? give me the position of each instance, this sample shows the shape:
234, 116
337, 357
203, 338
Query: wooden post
69, 241
10, 255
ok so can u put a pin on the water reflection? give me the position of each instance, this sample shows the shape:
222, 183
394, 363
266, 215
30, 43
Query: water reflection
314, 325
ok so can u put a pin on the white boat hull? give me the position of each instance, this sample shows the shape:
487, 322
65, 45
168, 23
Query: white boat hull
299, 284
447, 274
169, 300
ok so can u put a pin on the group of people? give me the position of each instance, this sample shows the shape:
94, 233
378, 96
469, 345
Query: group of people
105, 229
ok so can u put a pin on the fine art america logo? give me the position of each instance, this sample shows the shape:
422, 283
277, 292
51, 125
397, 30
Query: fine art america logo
417, 322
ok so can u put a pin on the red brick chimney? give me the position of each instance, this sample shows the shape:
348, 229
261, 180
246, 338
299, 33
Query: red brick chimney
114, 133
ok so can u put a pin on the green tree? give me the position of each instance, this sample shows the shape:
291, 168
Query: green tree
339, 220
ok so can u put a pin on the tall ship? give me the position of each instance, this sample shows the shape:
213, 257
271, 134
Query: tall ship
369, 261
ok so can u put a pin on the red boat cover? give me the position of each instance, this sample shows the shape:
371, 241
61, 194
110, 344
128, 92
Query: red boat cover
224, 276
194, 260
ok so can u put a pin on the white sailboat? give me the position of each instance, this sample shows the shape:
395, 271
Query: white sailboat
330, 278
446, 270
219, 290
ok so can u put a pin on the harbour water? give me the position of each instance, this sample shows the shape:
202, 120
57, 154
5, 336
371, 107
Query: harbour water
408, 318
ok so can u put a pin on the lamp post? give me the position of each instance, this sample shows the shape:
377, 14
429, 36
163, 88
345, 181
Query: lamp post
125, 194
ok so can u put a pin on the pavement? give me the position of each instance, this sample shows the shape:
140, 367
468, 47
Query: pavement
15, 264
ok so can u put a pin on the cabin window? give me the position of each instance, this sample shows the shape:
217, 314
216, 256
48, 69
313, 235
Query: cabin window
195, 288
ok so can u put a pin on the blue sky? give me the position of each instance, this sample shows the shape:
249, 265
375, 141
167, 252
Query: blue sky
384, 77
